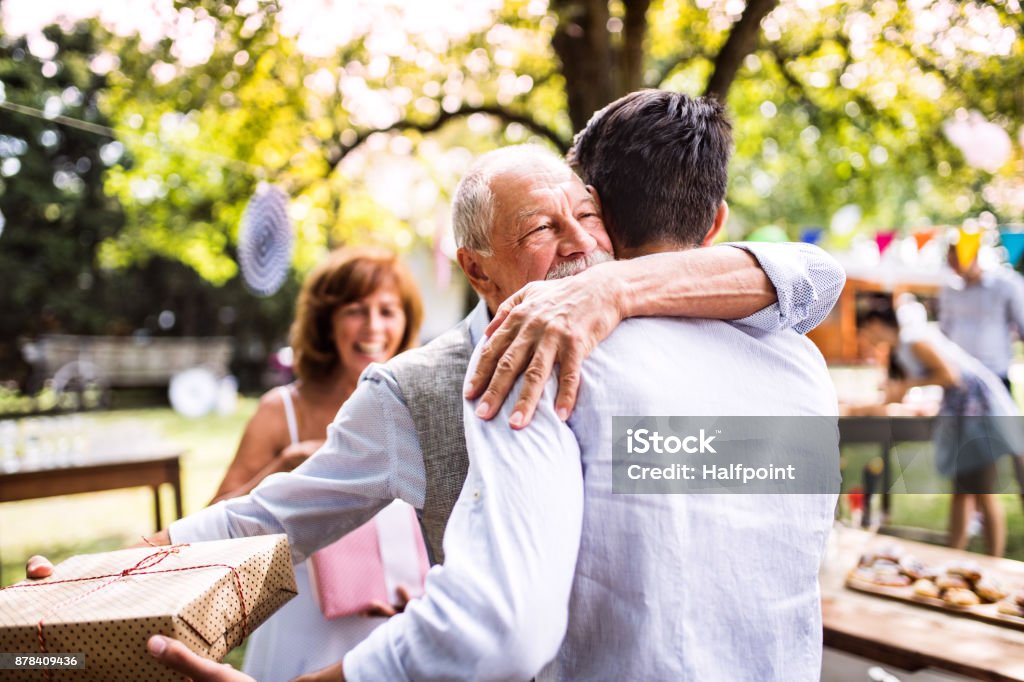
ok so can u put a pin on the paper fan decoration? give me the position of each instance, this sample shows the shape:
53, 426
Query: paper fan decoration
265, 242
193, 392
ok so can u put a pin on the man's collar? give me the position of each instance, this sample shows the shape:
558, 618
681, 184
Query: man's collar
478, 321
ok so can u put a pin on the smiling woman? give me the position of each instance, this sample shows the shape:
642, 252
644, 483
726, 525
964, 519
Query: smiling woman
358, 306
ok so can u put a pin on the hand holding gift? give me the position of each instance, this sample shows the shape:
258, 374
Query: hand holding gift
209, 595
179, 657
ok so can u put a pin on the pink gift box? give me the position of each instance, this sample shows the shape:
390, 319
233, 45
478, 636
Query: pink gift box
368, 564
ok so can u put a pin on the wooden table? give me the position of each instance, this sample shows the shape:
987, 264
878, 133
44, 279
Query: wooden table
150, 467
885, 432
914, 637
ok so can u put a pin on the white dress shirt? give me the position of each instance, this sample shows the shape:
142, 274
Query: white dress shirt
646, 587
372, 454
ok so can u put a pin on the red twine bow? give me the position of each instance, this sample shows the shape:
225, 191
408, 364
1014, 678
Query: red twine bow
138, 569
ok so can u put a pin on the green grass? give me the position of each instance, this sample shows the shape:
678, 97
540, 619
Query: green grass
96, 522
60, 527
931, 511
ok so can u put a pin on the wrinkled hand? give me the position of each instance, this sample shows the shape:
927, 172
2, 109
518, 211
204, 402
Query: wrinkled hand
37, 567
379, 608
331, 674
180, 658
559, 321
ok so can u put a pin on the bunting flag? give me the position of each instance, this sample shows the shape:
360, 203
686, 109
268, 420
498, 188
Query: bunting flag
811, 235
967, 247
924, 235
884, 240
768, 233
1014, 243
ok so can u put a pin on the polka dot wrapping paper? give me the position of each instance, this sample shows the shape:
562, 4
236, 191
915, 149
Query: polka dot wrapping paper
209, 595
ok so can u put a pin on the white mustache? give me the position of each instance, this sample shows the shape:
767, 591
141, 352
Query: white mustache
574, 267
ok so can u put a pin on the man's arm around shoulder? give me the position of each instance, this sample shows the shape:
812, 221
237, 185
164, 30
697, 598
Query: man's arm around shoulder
498, 608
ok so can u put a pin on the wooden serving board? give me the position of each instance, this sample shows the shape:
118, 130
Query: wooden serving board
988, 613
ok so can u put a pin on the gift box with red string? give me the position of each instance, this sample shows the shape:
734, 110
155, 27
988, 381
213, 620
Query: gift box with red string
208, 595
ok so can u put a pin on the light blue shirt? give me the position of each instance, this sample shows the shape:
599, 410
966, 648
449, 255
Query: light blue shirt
641, 587
981, 318
372, 454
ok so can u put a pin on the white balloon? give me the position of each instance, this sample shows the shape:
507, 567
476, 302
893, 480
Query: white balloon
984, 144
845, 219
194, 392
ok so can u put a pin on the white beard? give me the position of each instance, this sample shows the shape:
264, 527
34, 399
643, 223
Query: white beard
574, 267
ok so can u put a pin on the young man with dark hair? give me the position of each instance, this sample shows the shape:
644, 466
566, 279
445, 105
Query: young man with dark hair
660, 162
650, 587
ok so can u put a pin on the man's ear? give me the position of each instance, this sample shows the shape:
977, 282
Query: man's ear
720, 217
472, 264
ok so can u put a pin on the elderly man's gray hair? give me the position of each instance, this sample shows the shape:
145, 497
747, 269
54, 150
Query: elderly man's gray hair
473, 205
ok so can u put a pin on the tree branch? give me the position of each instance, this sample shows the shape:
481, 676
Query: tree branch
741, 41
667, 66
814, 112
444, 117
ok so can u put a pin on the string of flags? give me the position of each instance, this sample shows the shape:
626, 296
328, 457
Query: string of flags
1012, 240
966, 241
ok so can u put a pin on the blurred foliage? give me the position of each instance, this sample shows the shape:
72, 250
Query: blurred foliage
60, 223
368, 121
837, 103
51, 196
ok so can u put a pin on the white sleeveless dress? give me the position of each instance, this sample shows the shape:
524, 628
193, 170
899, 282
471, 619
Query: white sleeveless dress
298, 639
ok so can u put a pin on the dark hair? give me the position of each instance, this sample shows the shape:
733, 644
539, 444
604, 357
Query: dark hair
886, 316
659, 161
345, 276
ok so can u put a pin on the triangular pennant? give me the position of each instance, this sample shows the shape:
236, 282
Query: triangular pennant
1014, 243
884, 239
967, 247
811, 235
924, 235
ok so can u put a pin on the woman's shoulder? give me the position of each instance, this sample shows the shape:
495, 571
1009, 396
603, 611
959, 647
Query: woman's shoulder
268, 424
272, 402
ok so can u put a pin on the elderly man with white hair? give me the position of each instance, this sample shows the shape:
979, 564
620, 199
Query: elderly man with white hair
520, 215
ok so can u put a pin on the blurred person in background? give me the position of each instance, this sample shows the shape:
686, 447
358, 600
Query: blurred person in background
966, 450
981, 310
358, 306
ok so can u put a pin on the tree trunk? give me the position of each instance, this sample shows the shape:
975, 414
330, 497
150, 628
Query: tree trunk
741, 41
633, 33
583, 46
